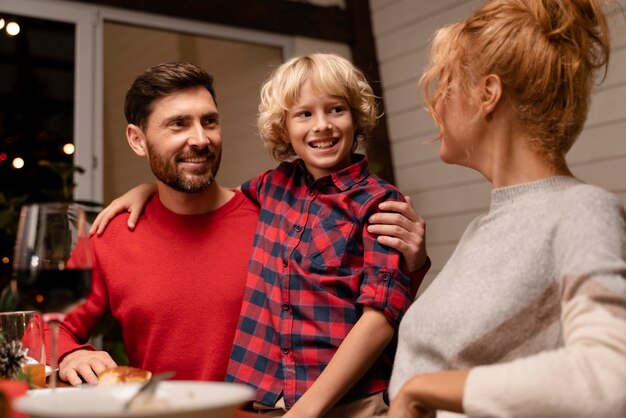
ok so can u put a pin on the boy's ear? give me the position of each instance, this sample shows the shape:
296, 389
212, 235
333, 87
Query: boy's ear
491, 93
136, 139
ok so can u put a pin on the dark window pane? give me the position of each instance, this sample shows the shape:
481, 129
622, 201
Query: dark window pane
36, 118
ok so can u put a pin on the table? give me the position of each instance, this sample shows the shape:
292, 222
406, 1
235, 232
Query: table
245, 414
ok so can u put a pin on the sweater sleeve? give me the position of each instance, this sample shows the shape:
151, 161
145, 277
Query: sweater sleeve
587, 375
79, 323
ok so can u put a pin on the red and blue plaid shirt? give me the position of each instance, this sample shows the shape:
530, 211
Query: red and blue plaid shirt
313, 268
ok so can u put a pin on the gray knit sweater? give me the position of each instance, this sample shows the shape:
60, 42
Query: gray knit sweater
533, 300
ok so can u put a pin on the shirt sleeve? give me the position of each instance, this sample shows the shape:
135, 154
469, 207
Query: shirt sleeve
587, 375
253, 188
385, 286
417, 277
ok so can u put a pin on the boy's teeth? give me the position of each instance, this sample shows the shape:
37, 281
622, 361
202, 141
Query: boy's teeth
326, 144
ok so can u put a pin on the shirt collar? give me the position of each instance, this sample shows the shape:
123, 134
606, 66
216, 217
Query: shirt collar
343, 179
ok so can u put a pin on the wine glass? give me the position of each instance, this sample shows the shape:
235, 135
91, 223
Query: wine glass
52, 263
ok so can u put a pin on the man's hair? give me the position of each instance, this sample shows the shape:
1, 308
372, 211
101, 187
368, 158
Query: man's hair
328, 74
546, 53
159, 81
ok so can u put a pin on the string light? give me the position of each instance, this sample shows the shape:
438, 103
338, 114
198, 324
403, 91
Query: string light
13, 28
18, 163
69, 149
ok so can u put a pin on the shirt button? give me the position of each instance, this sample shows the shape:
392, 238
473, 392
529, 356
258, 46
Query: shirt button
385, 276
285, 350
285, 263
310, 192
285, 306
298, 228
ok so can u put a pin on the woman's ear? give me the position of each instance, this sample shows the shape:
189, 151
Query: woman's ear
136, 139
491, 93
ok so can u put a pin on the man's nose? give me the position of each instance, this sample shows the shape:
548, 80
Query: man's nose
198, 136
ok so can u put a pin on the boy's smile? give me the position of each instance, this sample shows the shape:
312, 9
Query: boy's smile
320, 130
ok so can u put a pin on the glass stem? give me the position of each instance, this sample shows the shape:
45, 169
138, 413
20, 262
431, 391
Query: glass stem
54, 325
53, 319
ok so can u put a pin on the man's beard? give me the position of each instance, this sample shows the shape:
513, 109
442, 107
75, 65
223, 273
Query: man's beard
188, 181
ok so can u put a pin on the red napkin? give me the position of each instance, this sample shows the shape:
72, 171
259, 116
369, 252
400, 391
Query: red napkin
9, 391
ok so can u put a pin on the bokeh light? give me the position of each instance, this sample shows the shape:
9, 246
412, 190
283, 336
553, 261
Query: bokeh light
13, 28
18, 163
69, 149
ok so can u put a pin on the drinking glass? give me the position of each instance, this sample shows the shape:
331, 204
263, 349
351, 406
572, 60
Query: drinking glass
26, 329
52, 263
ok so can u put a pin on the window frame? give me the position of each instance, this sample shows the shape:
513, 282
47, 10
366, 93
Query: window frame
88, 71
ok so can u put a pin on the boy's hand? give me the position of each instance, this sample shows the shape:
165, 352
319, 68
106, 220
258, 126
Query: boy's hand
400, 227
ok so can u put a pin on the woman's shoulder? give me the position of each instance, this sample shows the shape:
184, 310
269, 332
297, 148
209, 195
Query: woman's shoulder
587, 197
591, 210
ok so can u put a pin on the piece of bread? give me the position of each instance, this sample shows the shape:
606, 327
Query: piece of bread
123, 374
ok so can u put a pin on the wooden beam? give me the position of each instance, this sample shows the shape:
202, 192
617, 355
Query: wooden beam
330, 23
364, 57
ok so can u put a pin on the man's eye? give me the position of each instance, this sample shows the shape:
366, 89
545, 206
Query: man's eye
178, 123
210, 122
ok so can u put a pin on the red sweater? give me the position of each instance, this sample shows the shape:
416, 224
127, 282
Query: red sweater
175, 284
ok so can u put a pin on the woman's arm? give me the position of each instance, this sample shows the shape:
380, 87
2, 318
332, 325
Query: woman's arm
132, 201
356, 354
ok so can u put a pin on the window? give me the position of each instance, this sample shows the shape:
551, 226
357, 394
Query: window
64, 84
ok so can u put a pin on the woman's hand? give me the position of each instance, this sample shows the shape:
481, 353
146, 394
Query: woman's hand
423, 394
405, 407
132, 201
400, 227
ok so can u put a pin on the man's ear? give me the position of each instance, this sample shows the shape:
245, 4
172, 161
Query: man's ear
491, 93
136, 139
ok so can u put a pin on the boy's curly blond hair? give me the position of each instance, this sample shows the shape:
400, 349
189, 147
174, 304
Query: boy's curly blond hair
328, 74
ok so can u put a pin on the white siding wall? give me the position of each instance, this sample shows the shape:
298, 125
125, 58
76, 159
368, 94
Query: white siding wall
448, 197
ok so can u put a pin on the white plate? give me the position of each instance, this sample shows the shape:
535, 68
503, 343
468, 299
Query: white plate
183, 399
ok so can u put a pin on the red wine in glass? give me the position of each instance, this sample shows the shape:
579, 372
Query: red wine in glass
52, 262
53, 290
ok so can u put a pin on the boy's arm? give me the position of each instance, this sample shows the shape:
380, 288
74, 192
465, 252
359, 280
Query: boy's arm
132, 201
356, 354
